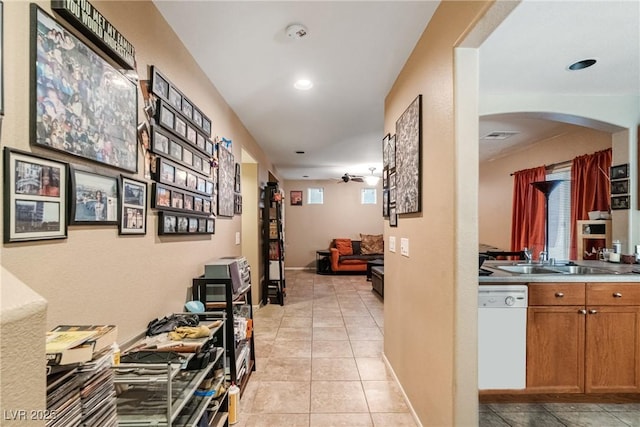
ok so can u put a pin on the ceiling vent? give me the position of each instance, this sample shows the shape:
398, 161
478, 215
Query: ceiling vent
499, 135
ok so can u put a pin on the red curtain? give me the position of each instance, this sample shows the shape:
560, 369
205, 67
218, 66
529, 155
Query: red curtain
590, 189
527, 218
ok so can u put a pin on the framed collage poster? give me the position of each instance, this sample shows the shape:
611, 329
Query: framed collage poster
80, 104
35, 198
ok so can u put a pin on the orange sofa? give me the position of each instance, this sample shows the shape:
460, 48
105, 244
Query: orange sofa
348, 255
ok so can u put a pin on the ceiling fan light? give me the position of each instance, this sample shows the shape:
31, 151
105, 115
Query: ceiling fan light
372, 180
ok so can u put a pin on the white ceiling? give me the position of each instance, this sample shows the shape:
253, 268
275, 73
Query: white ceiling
354, 51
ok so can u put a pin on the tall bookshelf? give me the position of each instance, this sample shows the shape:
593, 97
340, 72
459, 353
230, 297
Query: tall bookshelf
273, 286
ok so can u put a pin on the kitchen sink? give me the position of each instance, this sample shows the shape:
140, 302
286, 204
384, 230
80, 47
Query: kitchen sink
527, 269
580, 269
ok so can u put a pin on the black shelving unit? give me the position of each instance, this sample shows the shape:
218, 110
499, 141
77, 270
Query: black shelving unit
274, 285
217, 295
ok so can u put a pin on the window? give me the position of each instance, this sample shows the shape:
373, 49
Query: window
368, 196
560, 215
316, 196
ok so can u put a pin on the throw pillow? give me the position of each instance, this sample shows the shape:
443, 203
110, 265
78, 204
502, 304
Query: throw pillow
372, 244
344, 246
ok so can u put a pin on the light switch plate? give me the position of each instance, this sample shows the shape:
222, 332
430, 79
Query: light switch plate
404, 246
392, 244
237, 237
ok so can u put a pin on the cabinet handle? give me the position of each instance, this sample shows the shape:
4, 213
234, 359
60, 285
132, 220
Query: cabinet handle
593, 311
617, 295
559, 294
582, 311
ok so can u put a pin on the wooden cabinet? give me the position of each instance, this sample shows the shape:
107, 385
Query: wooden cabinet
589, 232
583, 338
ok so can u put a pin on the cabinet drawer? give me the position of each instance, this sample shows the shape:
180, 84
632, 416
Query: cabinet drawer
613, 293
556, 294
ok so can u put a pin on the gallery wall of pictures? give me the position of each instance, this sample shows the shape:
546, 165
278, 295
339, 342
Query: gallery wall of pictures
184, 177
620, 195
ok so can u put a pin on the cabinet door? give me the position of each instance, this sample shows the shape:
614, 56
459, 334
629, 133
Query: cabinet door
613, 349
555, 349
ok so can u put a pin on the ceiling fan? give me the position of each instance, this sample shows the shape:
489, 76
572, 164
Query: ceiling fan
348, 177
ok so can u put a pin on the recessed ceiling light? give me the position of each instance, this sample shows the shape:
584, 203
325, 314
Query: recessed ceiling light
305, 176
581, 65
303, 84
299, 152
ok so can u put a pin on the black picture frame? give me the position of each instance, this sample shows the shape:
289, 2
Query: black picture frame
168, 198
170, 223
93, 198
393, 217
392, 153
176, 175
237, 204
619, 171
237, 179
164, 89
393, 190
408, 158
35, 197
226, 178
385, 203
295, 197
620, 202
133, 207
620, 186
167, 145
386, 142
77, 123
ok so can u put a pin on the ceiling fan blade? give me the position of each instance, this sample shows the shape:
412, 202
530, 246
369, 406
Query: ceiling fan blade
357, 179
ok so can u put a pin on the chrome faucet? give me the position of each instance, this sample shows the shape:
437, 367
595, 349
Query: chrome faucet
527, 255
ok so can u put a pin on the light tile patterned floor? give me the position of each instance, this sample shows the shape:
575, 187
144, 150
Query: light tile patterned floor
319, 359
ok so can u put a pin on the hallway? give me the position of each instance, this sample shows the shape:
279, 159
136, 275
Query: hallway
319, 359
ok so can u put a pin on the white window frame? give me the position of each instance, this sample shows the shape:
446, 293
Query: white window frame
313, 193
368, 192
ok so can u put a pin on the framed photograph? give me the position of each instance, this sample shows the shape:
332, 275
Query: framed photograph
237, 204
35, 197
206, 126
193, 225
197, 163
94, 198
192, 181
385, 203
177, 200
159, 84
620, 186
197, 204
181, 177
197, 117
211, 225
392, 188
167, 117
226, 177
407, 158
188, 202
176, 150
206, 206
73, 120
237, 179
175, 99
620, 202
620, 171
183, 225
161, 196
296, 198
386, 142
133, 214
171, 173
167, 173
202, 225
385, 178
180, 126
192, 136
167, 224
187, 108
393, 217
392, 153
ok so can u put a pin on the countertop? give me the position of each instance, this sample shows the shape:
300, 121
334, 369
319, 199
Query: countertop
619, 273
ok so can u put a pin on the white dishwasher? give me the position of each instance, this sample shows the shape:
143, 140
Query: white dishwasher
502, 337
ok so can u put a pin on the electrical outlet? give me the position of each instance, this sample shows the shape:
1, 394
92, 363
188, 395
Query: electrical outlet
237, 237
392, 244
404, 246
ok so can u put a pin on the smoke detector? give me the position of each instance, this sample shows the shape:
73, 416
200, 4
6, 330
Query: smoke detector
499, 135
296, 31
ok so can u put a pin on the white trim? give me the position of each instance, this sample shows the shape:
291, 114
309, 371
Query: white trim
300, 268
406, 398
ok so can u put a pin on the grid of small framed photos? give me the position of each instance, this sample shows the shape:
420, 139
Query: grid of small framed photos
180, 139
620, 195
175, 223
389, 179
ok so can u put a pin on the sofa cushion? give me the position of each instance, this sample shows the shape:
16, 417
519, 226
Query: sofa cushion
344, 246
357, 259
372, 244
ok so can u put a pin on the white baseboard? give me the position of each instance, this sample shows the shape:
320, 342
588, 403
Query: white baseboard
406, 399
299, 268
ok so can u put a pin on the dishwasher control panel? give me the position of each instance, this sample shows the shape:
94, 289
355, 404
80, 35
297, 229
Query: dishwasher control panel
508, 296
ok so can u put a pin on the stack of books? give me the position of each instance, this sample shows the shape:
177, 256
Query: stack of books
75, 344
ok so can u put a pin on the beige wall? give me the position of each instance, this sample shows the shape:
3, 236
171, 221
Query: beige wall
96, 276
312, 227
422, 290
496, 185
251, 226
